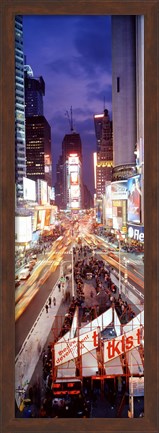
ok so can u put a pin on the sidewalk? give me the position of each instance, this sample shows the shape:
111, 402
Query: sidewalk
28, 357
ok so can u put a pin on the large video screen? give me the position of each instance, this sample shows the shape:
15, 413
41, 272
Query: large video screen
41, 219
29, 189
134, 199
47, 217
23, 231
108, 202
119, 190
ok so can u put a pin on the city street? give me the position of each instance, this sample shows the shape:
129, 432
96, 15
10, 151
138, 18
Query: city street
102, 406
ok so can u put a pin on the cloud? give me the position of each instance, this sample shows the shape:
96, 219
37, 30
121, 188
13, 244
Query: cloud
73, 54
93, 44
69, 66
89, 52
104, 95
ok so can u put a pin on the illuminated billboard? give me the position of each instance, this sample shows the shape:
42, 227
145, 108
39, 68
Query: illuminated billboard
75, 192
52, 216
34, 221
74, 181
29, 189
73, 160
134, 199
47, 217
108, 202
23, 229
40, 219
119, 190
42, 191
119, 214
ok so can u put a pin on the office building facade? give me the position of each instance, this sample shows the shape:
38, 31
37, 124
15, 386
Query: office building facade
104, 155
34, 92
20, 139
38, 149
124, 89
69, 184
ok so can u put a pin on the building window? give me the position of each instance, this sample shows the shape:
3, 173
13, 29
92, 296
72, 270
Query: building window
118, 84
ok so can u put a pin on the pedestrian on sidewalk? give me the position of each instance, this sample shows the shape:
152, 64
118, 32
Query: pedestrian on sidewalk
54, 301
46, 307
50, 302
59, 287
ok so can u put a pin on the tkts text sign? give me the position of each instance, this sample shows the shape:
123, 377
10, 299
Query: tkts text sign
121, 344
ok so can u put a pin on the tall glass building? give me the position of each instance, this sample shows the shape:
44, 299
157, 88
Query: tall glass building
34, 92
20, 142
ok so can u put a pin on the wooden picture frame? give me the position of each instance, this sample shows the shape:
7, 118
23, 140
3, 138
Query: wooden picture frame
150, 10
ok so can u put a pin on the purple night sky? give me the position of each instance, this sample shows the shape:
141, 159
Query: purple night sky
73, 55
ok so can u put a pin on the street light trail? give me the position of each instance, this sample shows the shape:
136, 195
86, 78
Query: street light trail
115, 264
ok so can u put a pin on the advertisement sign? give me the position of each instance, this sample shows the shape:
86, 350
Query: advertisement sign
52, 194
74, 181
23, 229
108, 202
52, 217
43, 184
75, 192
47, 217
73, 159
119, 214
47, 164
74, 178
41, 219
121, 344
66, 350
29, 189
119, 190
134, 199
136, 232
34, 221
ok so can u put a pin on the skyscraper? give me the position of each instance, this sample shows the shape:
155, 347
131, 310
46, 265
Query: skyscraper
69, 172
59, 199
34, 92
20, 142
38, 149
98, 120
38, 131
104, 163
124, 89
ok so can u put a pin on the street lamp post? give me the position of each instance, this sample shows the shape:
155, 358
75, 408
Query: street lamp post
118, 237
73, 287
126, 269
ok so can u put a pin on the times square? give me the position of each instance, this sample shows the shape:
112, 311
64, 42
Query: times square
79, 256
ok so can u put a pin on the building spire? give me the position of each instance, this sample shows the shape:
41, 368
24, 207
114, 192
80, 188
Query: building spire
104, 102
70, 118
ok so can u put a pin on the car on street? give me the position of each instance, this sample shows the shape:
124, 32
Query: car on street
24, 274
34, 257
89, 275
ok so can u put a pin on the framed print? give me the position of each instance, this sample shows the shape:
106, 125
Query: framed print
50, 258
